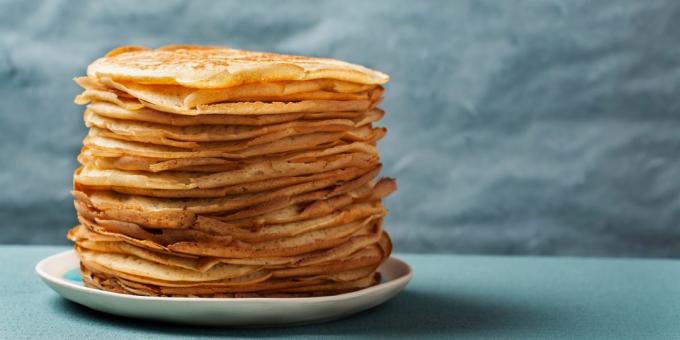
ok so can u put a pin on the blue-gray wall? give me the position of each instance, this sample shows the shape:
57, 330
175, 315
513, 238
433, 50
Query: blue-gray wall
519, 127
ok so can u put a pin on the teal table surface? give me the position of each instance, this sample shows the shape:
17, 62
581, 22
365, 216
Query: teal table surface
450, 296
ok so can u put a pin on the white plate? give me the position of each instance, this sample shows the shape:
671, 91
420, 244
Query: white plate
61, 273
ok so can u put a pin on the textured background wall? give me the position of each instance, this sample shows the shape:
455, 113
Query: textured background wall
519, 127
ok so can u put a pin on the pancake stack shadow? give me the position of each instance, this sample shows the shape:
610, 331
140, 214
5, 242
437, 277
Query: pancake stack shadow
214, 172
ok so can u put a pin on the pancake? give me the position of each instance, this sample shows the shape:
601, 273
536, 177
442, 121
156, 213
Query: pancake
106, 145
112, 110
215, 67
103, 158
215, 172
212, 133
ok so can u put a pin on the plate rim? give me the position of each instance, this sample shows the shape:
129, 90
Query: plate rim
402, 280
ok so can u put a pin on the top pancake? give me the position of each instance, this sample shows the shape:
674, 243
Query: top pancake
217, 67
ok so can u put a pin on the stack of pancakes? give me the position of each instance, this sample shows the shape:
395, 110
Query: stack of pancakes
216, 172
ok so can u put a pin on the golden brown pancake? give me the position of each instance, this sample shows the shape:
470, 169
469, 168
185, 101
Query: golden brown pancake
215, 67
216, 172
